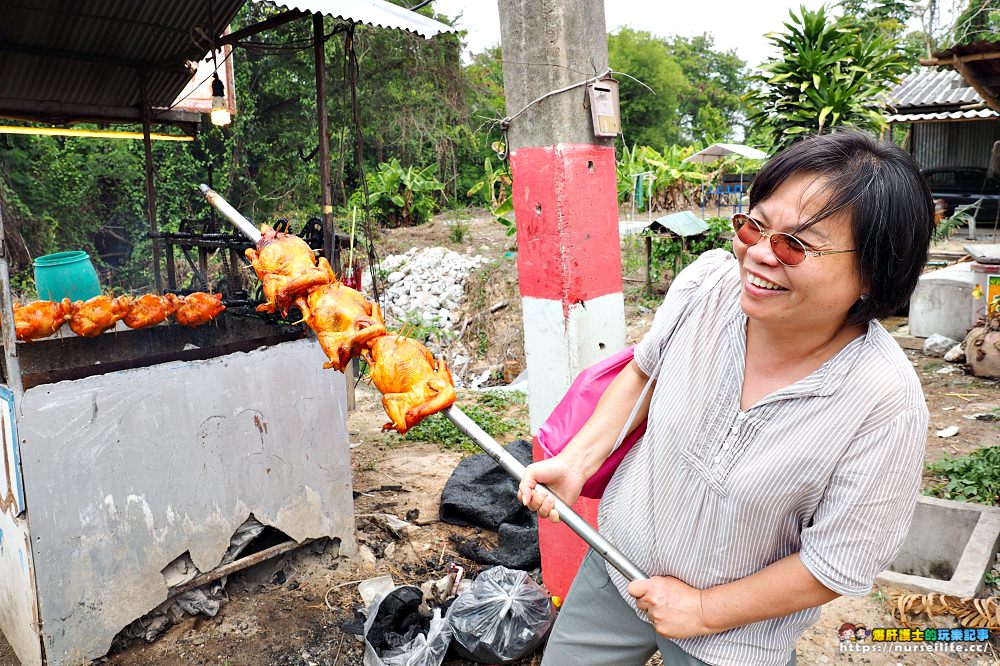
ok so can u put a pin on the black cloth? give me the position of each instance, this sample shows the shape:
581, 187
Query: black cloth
481, 494
397, 620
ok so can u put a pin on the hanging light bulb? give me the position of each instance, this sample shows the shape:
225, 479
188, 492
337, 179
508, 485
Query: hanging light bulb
220, 110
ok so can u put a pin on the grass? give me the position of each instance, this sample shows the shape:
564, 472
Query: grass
971, 478
457, 230
498, 413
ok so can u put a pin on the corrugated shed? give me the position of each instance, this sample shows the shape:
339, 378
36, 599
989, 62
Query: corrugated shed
933, 88
61, 55
955, 144
371, 12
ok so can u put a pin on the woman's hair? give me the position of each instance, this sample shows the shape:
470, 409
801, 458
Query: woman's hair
880, 187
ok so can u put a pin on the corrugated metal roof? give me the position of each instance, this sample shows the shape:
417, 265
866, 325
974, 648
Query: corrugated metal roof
66, 59
933, 88
682, 224
372, 12
976, 114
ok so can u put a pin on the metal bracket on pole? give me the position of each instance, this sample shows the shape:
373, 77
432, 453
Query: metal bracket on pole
482, 439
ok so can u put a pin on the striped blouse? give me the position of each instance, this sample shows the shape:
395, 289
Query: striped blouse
828, 467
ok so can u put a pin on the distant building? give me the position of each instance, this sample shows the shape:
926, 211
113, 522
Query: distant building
951, 125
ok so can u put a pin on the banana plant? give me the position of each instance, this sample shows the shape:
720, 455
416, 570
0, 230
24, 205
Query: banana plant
674, 181
402, 197
495, 188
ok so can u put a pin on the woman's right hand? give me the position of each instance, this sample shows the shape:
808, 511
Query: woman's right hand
559, 476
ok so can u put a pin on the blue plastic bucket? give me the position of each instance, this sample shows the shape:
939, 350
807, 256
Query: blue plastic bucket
66, 275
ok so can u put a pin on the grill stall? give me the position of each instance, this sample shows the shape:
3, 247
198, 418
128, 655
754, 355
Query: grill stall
125, 453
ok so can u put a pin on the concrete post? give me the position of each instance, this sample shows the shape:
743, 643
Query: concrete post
566, 207
565, 194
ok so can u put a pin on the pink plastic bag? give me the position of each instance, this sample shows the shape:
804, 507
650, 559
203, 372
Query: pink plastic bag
574, 410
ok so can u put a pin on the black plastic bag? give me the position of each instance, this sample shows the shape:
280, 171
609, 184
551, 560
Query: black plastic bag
503, 617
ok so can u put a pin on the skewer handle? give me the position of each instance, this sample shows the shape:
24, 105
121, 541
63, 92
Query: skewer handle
231, 214
483, 440
512, 466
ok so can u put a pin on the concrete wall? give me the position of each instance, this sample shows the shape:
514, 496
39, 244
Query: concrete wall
124, 472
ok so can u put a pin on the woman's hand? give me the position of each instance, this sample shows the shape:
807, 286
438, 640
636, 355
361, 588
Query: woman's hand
563, 479
674, 607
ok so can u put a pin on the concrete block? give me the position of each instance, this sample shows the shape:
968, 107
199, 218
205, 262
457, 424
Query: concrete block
942, 302
949, 548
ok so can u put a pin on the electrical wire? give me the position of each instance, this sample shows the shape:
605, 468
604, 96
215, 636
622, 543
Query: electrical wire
505, 122
159, 112
351, 72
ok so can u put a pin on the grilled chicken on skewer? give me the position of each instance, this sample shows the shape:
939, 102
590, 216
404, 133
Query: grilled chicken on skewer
41, 318
150, 309
198, 308
412, 383
96, 315
343, 321
287, 269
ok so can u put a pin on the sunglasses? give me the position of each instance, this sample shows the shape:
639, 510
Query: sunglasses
786, 248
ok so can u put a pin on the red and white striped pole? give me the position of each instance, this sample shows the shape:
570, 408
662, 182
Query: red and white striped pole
566, 209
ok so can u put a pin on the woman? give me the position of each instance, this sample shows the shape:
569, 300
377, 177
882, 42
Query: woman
786, 428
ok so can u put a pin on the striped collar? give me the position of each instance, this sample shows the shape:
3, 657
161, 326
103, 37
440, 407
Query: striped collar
823, 381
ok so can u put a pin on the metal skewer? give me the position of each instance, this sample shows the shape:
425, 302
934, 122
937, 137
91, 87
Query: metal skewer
482, 439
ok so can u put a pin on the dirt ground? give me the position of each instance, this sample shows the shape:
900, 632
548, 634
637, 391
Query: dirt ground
288, 611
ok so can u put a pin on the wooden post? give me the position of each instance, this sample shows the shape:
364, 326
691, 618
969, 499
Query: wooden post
12, 366
326, 204
330, 250
150, 187
649, 264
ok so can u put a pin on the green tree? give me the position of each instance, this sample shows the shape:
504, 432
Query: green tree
888, 18
648, 118
827, 75
979, 22
711, 108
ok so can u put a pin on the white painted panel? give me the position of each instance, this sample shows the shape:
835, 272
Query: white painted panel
558, 346
11, 483
17, 591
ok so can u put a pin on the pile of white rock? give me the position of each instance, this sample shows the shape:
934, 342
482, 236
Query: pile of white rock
427, 283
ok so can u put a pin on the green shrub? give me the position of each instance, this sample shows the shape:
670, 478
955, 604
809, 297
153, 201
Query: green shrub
971, 478
669, 253
489, 412
457, 229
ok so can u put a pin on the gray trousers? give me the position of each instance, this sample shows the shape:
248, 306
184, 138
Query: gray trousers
595, 627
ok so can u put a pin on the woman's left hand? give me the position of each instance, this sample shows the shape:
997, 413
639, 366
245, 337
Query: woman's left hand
673, 606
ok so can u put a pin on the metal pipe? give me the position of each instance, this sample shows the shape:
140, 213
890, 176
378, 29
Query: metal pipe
482, 439
512, 466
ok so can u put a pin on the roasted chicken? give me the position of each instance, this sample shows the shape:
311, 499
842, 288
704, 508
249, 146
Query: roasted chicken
413, 385
41, 318
343, 321
198, 308
287, 269
150, 309
96, 315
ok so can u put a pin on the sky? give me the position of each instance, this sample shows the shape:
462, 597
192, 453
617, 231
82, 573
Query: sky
739, 25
